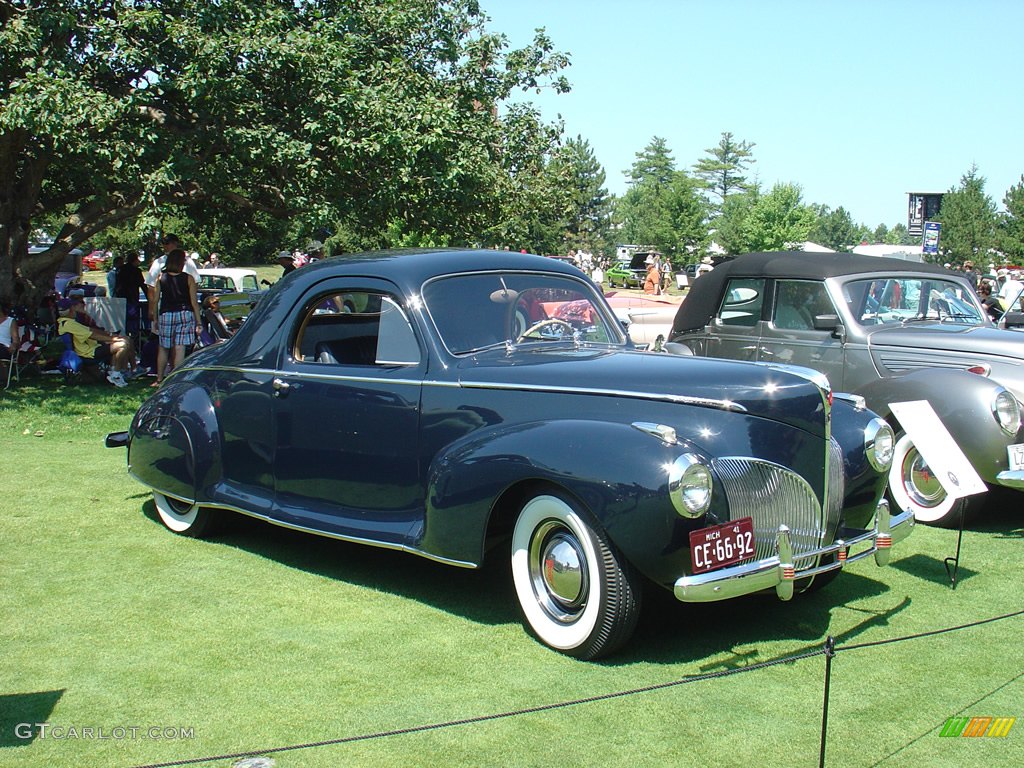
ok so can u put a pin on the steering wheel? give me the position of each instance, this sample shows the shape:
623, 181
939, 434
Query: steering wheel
542, 324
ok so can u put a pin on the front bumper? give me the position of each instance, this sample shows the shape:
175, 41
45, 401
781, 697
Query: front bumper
779, 571
1011, 478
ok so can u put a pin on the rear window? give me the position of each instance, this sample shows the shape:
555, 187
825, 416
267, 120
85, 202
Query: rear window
742, 303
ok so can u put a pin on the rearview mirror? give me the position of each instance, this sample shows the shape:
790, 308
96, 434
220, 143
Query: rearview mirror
1013, 320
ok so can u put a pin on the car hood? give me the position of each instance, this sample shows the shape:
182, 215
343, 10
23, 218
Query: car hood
772, 393
975, 340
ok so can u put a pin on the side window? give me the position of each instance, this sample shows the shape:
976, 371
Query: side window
798, 302
742, 303
356, 328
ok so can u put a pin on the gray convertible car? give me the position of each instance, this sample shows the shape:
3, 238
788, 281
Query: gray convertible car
885, 329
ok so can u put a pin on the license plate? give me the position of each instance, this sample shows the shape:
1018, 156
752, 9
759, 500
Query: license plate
722, 545
1016, 455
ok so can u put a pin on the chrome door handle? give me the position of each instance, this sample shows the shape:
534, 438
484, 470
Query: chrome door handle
281, 387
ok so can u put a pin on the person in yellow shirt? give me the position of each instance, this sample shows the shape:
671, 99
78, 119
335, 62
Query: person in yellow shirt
95, 343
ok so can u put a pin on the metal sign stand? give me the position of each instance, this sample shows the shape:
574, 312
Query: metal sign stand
955, 560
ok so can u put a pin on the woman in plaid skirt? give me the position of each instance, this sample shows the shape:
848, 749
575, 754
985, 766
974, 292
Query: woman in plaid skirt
174, 312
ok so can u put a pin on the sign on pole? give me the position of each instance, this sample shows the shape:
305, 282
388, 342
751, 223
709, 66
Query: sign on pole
931, 237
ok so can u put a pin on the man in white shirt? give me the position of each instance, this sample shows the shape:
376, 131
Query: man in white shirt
169, 243
1009, 288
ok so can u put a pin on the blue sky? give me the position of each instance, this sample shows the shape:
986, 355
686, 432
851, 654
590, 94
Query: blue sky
858, 102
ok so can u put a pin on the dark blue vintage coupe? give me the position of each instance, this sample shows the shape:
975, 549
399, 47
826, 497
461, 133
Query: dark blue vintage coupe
456, 404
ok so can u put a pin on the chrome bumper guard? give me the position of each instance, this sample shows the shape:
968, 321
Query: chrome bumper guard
780, 572
1011, 478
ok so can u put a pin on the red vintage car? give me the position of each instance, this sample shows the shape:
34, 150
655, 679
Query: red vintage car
95, 260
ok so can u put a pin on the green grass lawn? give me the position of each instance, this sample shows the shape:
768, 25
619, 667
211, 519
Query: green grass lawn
266, 638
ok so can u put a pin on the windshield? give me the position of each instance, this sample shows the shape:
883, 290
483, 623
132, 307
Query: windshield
906, 299
473, 312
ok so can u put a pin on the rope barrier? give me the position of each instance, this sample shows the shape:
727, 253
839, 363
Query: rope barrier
828, 650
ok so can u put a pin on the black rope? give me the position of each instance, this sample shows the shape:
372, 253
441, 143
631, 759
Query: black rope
829, 651
498, 716
930, 633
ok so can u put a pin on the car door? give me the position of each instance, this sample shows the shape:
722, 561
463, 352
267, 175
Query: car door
736, 327
347, 404
790, 335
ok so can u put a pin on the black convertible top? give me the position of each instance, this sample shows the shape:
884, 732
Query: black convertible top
702, 301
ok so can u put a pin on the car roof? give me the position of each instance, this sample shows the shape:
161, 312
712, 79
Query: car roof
226, 271
701, 305
415, 266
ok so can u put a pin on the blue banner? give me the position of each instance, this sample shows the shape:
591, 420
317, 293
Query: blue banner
931, 237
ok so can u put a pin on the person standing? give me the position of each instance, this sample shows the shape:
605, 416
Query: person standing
130, 281
174, 313
652, 282
112, 275
168, 243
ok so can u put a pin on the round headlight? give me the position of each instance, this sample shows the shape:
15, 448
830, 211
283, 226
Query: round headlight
1007, 412
878, 444
689, 486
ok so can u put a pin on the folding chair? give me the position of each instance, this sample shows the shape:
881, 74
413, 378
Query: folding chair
27, 354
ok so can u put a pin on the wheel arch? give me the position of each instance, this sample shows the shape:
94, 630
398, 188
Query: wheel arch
175, 445
474, 489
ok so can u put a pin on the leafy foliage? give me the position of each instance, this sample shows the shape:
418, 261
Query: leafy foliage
363, 113
1010, 227
968, 218
722, 169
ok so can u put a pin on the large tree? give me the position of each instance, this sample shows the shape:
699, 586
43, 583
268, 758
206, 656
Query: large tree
1010, 233
968, 218
835, 229
653, 164
723, 169
367, 112
580, 178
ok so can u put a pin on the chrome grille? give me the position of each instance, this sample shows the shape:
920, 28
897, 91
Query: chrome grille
836, 483
772, 496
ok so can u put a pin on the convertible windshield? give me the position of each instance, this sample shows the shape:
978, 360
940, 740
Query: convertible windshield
905, 299
473, 312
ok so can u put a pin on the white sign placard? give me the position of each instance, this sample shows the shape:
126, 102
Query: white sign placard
938, 448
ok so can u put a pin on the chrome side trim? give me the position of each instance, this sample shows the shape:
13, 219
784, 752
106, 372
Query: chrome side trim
725, 405
325, 534
778, 572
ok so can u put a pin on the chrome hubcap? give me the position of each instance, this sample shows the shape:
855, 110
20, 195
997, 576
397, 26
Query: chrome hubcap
558, 572
920, 483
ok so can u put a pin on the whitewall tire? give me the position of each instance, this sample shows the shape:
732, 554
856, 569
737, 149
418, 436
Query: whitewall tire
184, 518
576, 592
912, 485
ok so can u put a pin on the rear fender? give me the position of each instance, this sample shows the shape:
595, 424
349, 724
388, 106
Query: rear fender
174, 444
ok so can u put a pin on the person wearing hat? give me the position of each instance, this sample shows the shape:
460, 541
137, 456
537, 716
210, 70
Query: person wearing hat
95, 343
287, 262
1009, 288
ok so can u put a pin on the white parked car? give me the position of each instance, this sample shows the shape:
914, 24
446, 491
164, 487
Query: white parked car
238, 288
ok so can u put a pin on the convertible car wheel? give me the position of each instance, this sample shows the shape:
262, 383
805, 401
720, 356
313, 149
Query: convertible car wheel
576, 592
913, 485
186, 519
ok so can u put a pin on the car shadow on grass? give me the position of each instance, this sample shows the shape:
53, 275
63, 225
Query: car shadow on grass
726, 634
668, 632
483, 595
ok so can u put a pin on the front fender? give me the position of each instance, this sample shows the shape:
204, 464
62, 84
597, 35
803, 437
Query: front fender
617, 471
963, 402
174, 446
